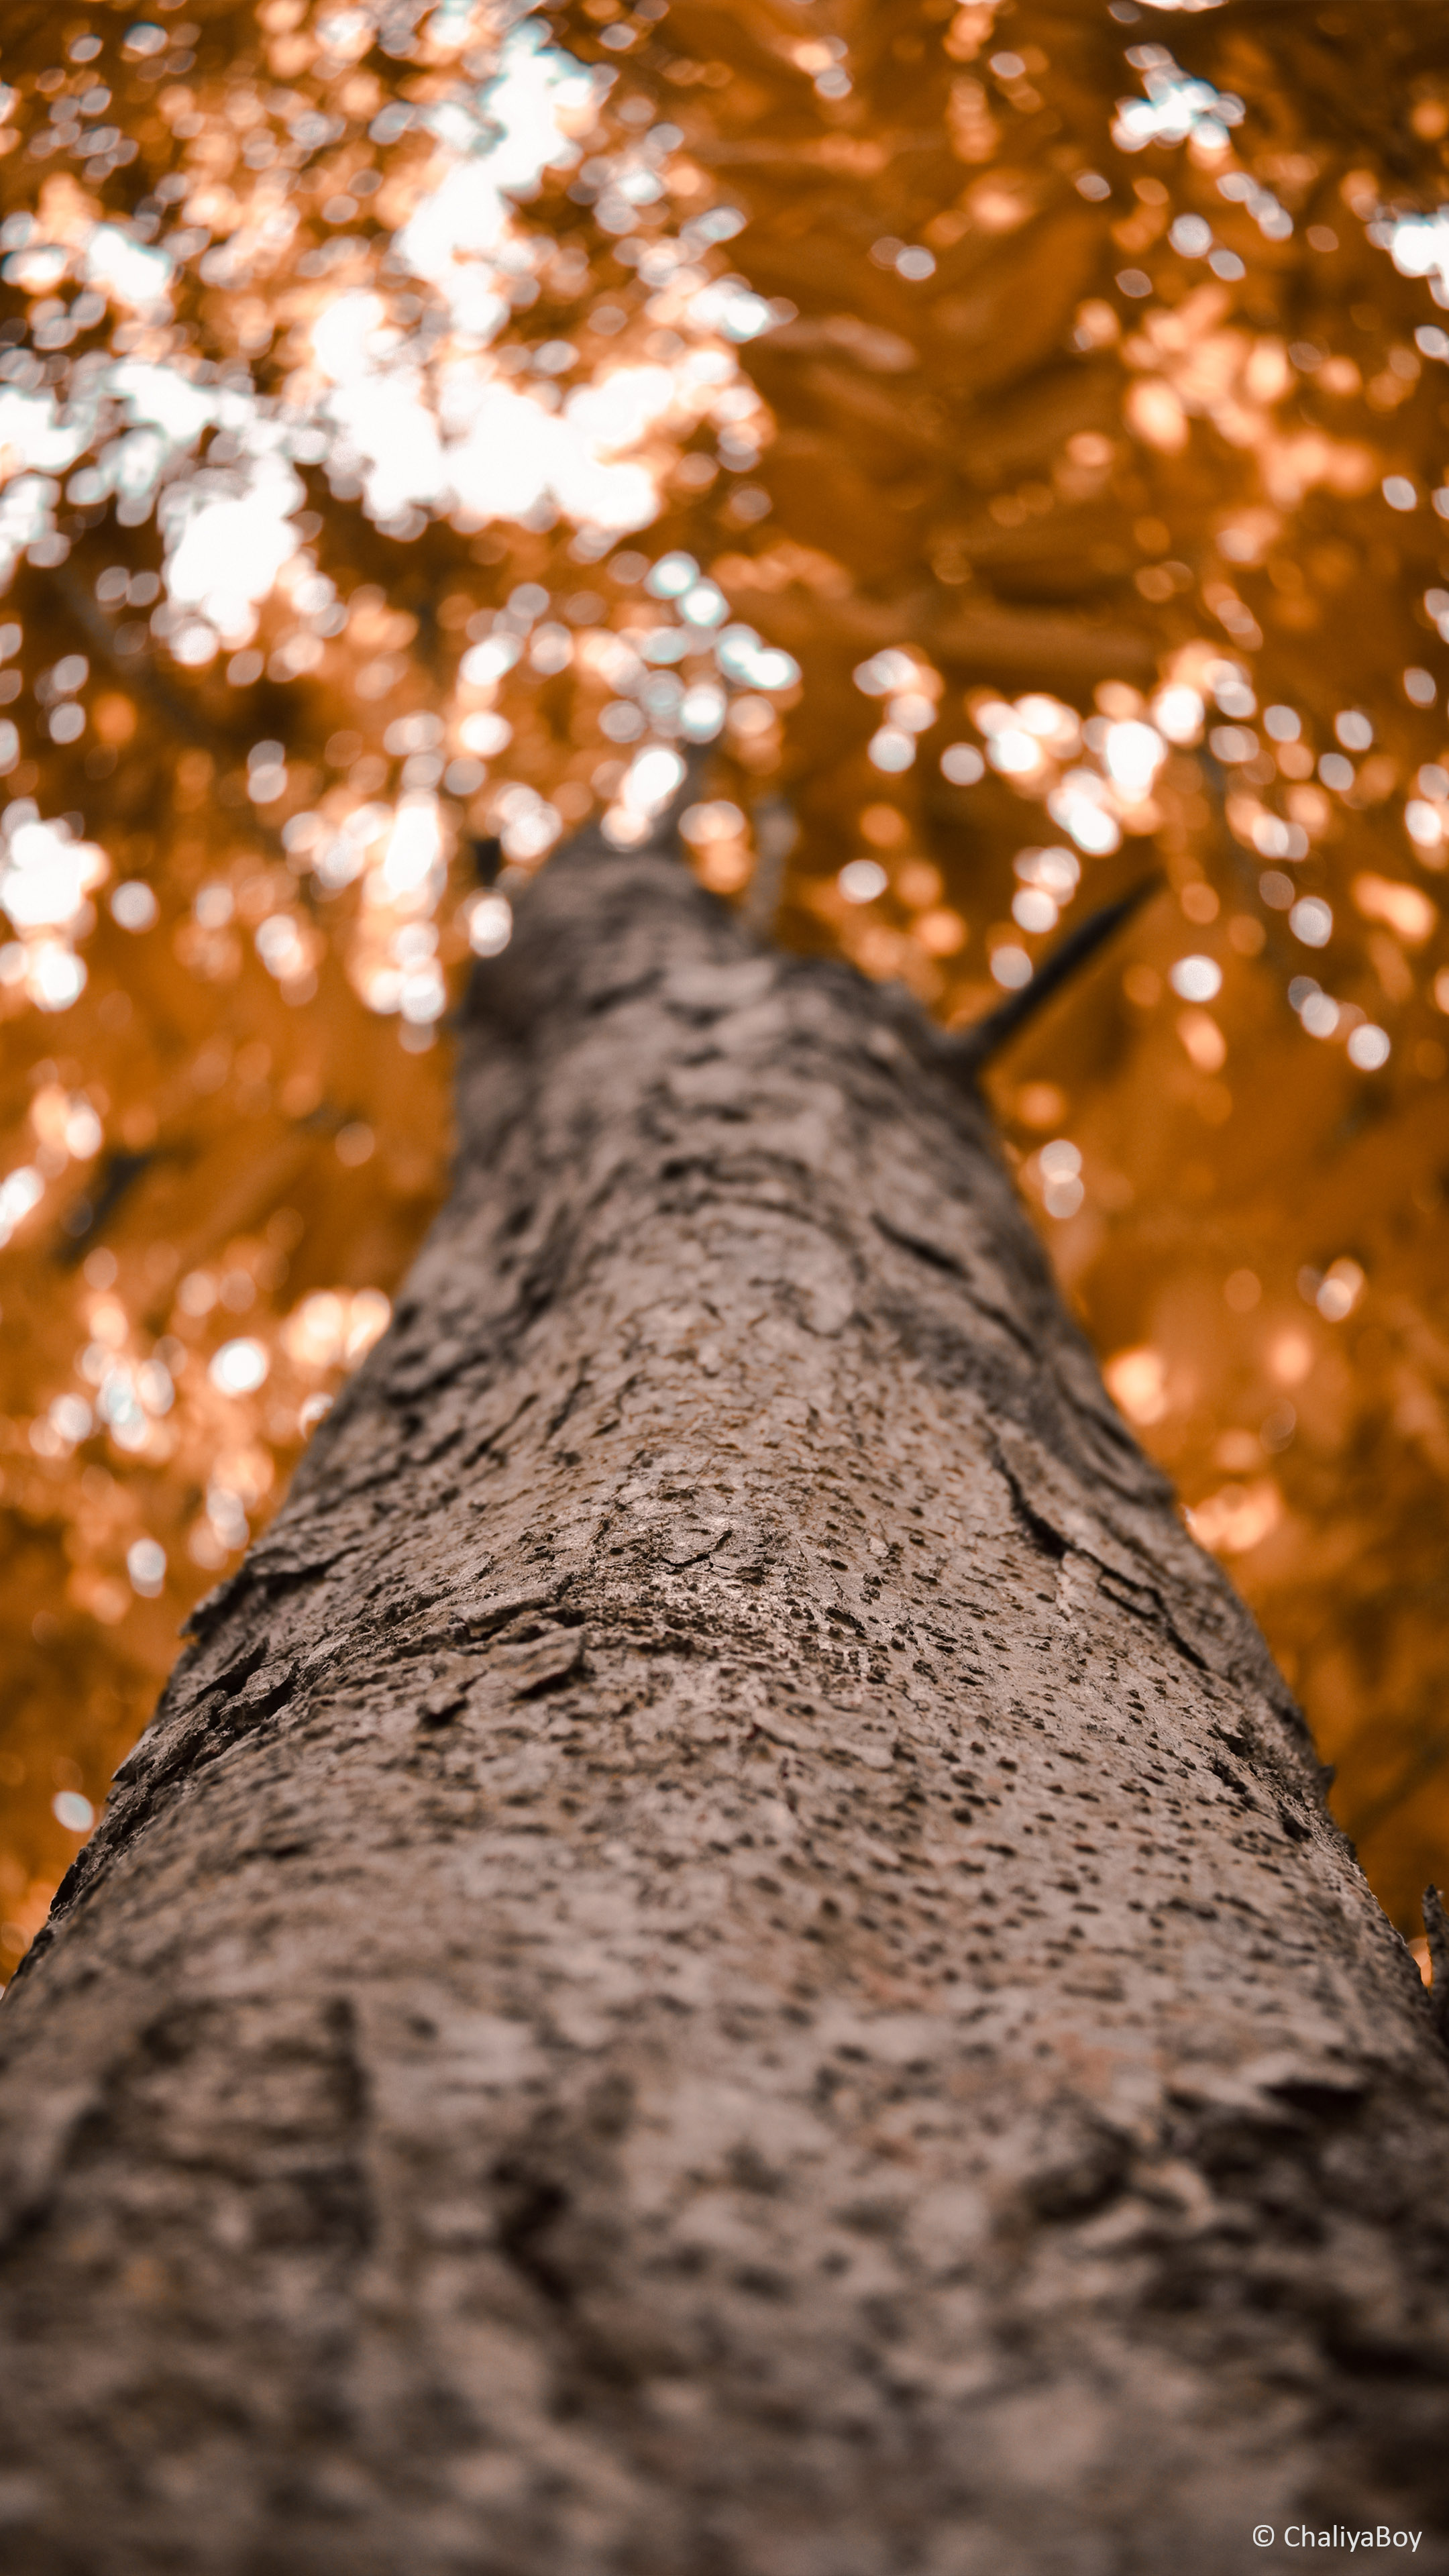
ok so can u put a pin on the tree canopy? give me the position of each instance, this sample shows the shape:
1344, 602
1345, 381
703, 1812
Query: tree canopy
1006, 442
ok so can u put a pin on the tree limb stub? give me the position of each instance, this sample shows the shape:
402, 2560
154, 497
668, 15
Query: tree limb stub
727, 1955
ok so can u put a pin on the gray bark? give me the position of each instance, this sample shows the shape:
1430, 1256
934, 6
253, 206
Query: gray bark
725, 1957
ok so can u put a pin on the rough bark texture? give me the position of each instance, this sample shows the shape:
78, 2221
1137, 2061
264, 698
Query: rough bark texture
725, 1958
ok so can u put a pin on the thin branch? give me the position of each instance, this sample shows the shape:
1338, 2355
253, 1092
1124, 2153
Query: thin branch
121, 1173
1426, 1757
137, 669
776, 833
967, 1054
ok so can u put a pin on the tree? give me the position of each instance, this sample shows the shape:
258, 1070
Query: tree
587, 2036
726, 1949
1100, 398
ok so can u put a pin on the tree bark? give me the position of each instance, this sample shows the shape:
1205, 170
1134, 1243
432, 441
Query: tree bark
724, 1957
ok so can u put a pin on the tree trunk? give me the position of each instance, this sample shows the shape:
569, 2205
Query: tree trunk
725, 1956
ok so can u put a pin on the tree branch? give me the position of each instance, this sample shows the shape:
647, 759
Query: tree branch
967, 1054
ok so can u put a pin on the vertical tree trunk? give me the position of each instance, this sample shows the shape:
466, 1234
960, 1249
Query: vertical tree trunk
725, 1958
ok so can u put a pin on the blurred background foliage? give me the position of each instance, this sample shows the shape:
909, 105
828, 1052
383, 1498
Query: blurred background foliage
1011, 437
